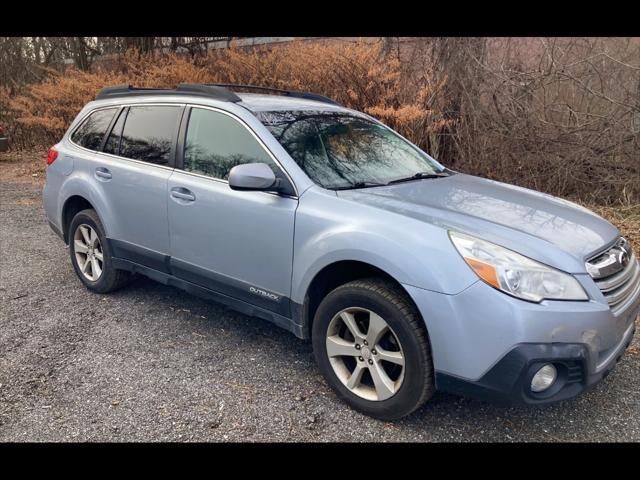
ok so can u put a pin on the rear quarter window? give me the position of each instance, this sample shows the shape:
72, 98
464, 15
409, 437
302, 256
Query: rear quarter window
112, 144
92, 130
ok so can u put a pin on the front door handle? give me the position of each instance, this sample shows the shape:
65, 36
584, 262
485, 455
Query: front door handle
182, 193
103, 173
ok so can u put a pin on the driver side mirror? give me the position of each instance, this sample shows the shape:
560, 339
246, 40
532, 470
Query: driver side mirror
253, 176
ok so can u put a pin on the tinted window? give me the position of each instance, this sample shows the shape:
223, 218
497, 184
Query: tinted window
91, 132
338, 150
148, 133
113, 142
216, 143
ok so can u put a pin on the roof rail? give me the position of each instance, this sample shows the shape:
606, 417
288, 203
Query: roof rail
211, 91
288, 93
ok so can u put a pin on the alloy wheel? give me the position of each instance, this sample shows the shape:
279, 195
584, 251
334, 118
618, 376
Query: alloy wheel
88, 252
365, 353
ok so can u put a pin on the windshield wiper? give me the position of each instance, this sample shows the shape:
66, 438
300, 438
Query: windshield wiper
415, 176
418, 176
360, 185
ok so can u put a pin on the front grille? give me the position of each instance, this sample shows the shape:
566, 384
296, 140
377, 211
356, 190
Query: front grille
617, 273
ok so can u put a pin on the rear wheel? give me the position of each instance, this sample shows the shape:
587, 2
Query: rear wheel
372, 348
91, 256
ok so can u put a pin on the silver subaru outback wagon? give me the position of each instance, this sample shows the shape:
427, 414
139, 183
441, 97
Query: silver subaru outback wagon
407, 277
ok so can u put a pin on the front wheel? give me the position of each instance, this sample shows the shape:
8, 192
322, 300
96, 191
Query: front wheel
372, 348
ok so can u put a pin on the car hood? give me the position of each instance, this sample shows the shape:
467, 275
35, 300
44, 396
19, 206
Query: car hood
495, 211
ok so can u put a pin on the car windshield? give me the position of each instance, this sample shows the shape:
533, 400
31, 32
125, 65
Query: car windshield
343, 150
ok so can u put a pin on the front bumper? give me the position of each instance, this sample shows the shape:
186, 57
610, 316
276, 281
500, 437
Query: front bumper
509, 380
487, 344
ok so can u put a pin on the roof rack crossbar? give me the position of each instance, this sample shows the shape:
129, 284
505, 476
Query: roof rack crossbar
211, 91
288, 93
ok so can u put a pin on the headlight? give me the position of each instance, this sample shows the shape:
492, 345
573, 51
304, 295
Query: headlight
515, 274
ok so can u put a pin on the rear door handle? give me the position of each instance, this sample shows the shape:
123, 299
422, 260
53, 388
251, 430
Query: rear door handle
103, 173
184, 194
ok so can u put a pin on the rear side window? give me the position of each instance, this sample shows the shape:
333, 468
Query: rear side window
149, 133
216, 143
92, 130
113, 142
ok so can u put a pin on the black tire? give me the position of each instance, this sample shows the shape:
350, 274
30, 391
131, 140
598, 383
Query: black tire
390, 302
111, 279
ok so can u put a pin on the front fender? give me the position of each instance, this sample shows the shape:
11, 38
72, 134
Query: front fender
330, 229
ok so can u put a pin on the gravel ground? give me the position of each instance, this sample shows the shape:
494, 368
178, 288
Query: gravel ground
151, 363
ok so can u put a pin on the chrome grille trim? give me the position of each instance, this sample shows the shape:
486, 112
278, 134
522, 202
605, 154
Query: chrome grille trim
620, 278
611, 261
617, 282
622, 293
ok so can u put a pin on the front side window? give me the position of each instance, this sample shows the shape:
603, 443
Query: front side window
149, 133
92, 130
215, 143
342, 150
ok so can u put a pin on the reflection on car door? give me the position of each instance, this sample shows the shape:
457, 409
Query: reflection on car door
237, 243
136, 181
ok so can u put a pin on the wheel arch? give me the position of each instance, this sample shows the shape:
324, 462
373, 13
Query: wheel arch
332, 276
71, 206
78, 193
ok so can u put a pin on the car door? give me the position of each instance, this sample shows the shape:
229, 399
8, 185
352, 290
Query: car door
133, 170
238, 243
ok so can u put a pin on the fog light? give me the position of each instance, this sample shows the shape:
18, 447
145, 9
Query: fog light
544, 378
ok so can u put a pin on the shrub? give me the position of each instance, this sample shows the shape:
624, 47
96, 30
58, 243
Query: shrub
355, 75
555, 115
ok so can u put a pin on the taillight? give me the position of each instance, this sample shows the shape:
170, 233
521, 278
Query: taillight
52, 155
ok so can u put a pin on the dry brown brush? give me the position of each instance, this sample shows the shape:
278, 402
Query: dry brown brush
355, 74
554, 115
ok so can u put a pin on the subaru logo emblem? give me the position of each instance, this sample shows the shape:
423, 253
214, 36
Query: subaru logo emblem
617, 258
623, 257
